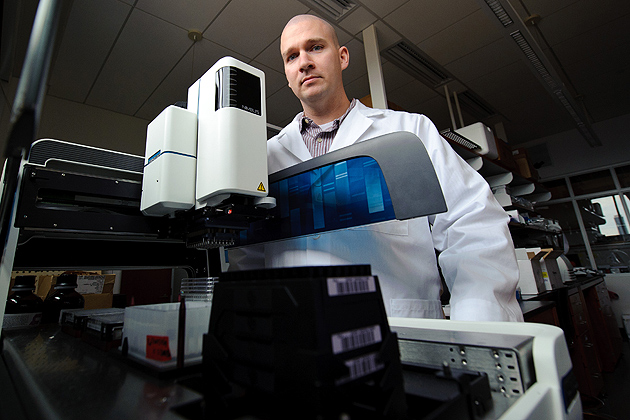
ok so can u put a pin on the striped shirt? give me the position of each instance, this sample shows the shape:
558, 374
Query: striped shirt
318, 139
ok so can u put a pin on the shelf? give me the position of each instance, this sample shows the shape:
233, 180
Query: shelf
497, 175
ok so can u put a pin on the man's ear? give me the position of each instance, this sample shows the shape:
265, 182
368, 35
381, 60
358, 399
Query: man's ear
344, 57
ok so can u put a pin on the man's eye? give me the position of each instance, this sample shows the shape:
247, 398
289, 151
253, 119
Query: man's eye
317, 47
291, 57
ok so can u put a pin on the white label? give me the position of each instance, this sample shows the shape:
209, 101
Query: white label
350, 340
21, 320
94, 325
90, 284
361, 366
341, 286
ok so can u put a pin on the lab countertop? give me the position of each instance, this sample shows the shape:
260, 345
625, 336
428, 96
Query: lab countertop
61, 377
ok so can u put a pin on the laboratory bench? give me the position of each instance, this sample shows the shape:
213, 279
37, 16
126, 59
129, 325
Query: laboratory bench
47, 374
57, 376
584, 312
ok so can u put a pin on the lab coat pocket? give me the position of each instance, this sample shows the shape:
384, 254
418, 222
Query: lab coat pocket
416, 308
392, 227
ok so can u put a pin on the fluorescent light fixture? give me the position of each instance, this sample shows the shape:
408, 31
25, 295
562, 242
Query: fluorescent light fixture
533, 58
500, 12
334, 9
541, 66
475, 105
418, 64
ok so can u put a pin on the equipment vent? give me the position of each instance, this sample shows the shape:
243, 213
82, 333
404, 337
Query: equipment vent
418, 64
458, 138
334, 9
47, 149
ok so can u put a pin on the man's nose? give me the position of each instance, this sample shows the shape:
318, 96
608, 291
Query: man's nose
305, 62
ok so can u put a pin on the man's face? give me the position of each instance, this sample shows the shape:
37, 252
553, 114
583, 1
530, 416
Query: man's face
312, 60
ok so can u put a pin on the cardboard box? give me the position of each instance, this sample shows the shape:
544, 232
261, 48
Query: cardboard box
531, 281
525, 169
88, 283
524, 164
98, 301
551, 269
504, 153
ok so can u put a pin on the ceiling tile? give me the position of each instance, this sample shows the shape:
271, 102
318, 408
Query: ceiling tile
614, 36
410, 94
418, 20
146, 51
282, 106
187, 14
90, 32
395, 77
383, 8
270, 56
274, 81
386, 35
498, 87
358, 88
357, 66
605, 93
484, 60
545, 7
250, 26
188, 70
580, 17
357, 21
436, 109
467, 35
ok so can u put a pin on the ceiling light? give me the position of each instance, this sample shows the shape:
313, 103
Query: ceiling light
540, 64
500, 12
475, 105
418, 64
334, 9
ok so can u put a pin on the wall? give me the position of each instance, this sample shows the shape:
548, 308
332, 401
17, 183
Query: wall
84, 124
79, 123
570, 153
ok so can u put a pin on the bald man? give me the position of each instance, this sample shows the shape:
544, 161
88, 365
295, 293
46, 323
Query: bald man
475, 248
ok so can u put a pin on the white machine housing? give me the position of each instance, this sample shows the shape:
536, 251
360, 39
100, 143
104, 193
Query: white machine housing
481, 135
545, 398
217, 147
170, 163
229, 100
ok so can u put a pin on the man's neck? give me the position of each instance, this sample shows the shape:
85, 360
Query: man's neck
322, 114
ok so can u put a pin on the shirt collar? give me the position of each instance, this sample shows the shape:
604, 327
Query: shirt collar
306, 122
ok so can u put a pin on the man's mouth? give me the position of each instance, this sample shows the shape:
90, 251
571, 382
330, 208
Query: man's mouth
309, 78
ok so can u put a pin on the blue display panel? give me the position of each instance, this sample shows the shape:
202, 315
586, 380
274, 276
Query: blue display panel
341, 195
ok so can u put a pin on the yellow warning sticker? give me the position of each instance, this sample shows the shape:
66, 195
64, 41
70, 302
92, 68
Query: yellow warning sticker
261, 187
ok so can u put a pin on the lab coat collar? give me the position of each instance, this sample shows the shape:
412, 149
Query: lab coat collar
355, 124
291, 139
353, 127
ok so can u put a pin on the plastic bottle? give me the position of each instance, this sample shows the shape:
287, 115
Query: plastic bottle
24, 308
64, 297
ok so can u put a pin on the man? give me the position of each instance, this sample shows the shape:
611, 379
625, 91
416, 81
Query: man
476, 253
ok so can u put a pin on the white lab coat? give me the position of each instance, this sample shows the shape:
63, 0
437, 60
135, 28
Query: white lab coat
476, 252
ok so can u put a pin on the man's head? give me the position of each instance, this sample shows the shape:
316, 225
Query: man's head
313, 61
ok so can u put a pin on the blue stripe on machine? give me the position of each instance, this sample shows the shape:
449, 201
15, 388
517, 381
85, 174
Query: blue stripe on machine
160, 153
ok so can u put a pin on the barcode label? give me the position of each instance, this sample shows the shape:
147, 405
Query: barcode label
94, 325
361, 366
341, 286
350, 340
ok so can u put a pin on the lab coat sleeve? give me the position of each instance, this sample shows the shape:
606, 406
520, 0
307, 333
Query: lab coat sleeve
477, 255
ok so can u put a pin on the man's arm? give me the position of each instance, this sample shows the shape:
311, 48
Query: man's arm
476, 251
